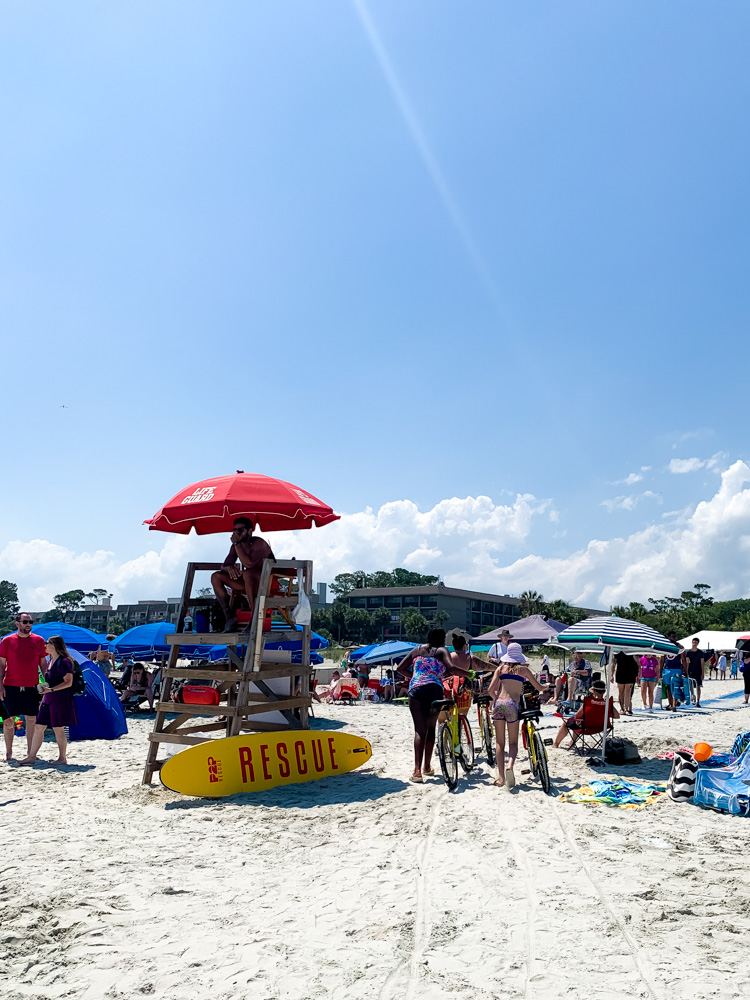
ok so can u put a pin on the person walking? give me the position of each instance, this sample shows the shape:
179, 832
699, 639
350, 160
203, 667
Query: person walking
506, 688
427, 665
624, 674
649, 680
722, 666
22, 655
58, 707
735, 666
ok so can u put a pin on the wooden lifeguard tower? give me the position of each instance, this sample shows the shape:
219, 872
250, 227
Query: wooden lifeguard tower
260, 691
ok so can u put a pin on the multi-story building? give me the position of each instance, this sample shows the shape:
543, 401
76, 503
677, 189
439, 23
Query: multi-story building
467, 609
97, 616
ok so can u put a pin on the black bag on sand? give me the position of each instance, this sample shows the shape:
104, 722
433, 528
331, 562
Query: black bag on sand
79, 681
621, 751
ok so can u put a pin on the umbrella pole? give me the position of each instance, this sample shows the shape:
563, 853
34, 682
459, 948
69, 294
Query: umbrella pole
605, 658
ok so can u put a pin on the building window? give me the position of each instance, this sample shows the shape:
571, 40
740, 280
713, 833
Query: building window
476, 605
392, 602
411, 601
476, 618
487, 607
426, 601
487, 620
374, 602
507, 609
357, 602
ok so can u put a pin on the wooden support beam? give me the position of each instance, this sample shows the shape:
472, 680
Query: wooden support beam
199, 673
195, 709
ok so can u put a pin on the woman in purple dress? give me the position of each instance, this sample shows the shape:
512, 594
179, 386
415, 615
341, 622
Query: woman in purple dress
58, 708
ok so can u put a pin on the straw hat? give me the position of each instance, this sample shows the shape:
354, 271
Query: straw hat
514, 654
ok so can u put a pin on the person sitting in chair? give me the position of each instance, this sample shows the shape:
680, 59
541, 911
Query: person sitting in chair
578, 678
140, 683
245, 578
571, 727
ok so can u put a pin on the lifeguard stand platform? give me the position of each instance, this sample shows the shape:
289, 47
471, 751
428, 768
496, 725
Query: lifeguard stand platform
261, 690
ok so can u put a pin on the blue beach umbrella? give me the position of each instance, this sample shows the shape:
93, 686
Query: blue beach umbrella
81, 638
388, 652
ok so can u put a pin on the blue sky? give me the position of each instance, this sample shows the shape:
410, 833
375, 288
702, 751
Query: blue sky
501, 248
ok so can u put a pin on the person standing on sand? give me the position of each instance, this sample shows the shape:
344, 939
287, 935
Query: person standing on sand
696, 660
499, 648
745, 670
506, 688
58, 708
22, 655
649, 680
427, 665
624, 674
673, 666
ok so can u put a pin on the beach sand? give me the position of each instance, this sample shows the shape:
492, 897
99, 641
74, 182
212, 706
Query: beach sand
365, 886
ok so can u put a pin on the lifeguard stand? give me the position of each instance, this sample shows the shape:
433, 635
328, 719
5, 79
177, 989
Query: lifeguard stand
261, 691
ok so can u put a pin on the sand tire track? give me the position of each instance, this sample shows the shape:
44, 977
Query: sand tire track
632, 944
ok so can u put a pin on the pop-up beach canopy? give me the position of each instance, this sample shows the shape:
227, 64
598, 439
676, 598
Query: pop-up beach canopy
100, 714
387, 652
149, 640
708, 639
532, 631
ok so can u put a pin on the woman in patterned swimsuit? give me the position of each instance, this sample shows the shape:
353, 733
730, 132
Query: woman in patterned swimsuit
506, 687
427, 665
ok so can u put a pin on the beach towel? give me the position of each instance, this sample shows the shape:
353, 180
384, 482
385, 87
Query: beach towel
615, 792
741, 743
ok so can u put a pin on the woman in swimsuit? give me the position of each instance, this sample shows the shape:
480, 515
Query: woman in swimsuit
427, 665
506, 687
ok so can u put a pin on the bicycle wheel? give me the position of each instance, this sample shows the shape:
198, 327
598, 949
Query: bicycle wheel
447, 756
542, 764
529, 741
488, 736
465, 743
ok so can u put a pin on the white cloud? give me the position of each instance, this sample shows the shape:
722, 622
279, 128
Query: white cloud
683, 465
629, 503
463, 540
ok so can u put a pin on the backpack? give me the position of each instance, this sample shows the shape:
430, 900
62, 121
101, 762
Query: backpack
621, 751
681, 784
79, 681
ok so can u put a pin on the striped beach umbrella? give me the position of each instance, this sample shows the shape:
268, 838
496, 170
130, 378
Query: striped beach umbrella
608, 634
594, 634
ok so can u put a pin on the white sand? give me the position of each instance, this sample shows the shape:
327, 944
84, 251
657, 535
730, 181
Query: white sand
364, 886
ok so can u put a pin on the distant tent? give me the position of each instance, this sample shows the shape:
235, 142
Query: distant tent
532, 631
100, 714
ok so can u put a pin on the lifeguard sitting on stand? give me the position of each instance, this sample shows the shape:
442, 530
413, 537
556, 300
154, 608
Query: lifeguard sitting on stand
242, 579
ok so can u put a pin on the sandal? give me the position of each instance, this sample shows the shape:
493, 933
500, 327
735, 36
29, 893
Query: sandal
416, 778
428, 771
510, 778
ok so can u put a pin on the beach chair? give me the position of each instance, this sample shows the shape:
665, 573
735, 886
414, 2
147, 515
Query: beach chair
588, 731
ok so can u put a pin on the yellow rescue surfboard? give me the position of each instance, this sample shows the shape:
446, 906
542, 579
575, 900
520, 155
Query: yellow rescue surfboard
257, 761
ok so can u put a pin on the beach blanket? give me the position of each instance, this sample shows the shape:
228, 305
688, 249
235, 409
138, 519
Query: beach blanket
616, 792
741, 743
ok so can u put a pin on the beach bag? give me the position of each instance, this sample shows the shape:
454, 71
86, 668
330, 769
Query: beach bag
456, 688
741, 743
302, 614
79, 681
621, 751
681, 783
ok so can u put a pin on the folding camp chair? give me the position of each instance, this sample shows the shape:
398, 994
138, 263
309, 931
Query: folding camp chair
587, 732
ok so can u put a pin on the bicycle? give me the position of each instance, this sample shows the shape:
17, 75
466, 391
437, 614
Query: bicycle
531, 712
486, 729
455, 742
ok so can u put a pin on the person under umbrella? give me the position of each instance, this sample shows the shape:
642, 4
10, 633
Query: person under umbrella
245, 579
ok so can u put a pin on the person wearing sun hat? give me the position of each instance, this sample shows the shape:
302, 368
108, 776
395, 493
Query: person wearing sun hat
506, 688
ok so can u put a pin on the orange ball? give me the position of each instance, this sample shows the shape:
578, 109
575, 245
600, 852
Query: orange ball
702, 751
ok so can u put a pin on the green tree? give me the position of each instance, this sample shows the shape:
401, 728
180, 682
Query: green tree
115, 626
357, 624
561, 611
68, 601
9, 606
531, 602
204, 592
345, 583
414, 625
405, 578
741, 622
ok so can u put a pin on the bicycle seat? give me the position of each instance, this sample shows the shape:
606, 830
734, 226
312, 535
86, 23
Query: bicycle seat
482, 699
443, 706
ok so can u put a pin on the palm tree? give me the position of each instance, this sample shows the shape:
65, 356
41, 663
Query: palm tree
531, 602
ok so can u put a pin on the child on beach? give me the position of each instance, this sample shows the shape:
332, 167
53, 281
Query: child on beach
506, 688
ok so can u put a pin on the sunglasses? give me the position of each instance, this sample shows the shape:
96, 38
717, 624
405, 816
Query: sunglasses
25, 621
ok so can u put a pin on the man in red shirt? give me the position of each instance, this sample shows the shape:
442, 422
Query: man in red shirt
21, 656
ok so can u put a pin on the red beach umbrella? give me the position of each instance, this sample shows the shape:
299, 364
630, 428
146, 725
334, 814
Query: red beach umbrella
212, 505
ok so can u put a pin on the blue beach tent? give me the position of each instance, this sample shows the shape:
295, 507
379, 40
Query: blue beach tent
100, 714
